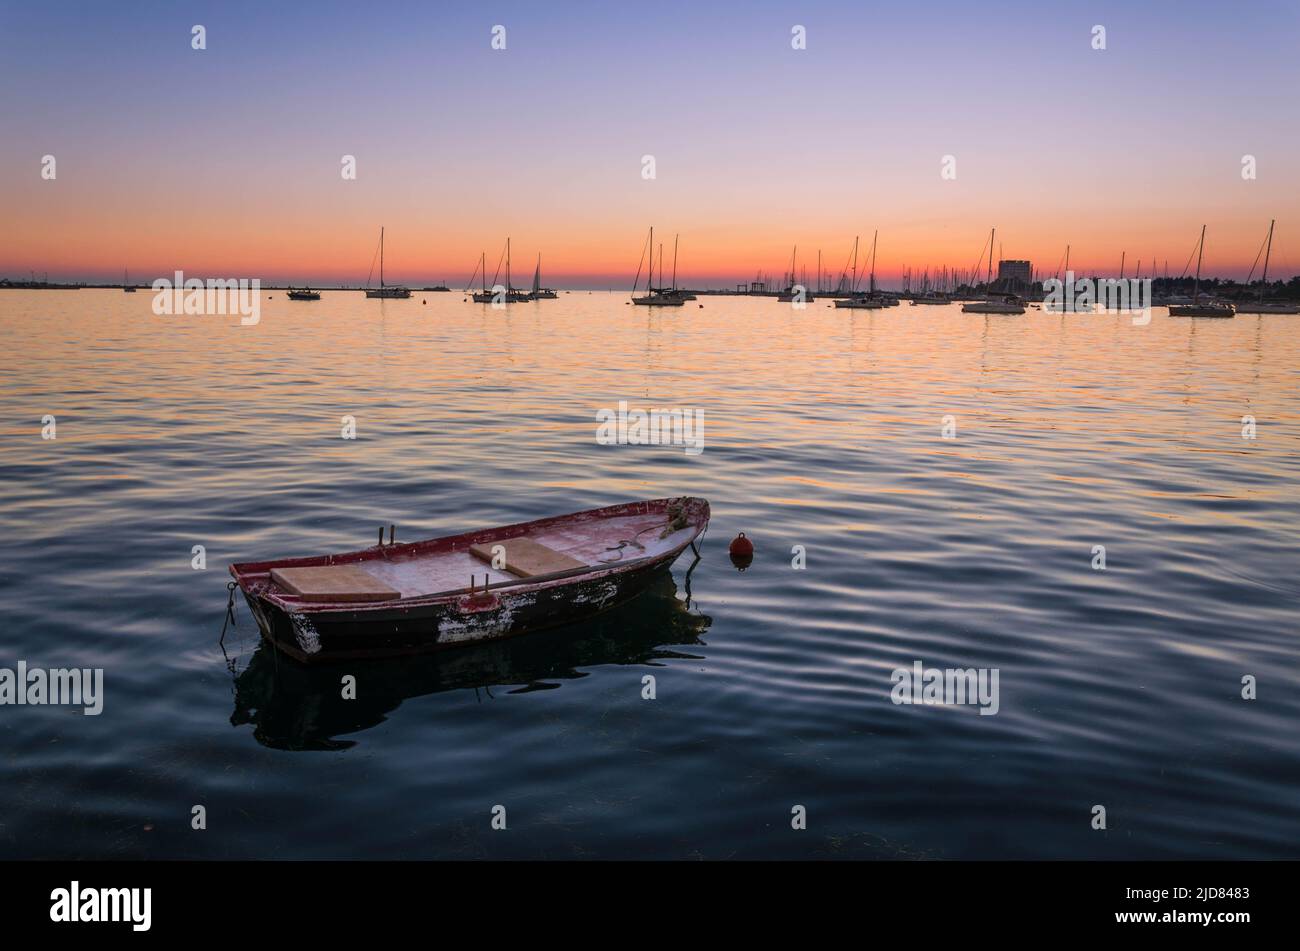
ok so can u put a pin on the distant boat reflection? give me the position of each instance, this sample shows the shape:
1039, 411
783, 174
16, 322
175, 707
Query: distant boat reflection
294, 707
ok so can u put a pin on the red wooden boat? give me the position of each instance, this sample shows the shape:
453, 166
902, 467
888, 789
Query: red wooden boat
396, 599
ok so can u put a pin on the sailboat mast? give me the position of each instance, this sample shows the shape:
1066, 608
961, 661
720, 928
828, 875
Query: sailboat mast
989, 281
507, 268
855, 263
381, 257
675, 237
874, 235
1267, 252
1200, 252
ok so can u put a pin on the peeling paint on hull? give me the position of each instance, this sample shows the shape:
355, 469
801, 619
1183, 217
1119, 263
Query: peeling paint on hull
444, 626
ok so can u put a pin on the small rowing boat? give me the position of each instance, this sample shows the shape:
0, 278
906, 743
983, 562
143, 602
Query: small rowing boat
395, 599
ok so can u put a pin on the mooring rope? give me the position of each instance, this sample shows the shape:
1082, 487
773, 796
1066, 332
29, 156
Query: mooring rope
676, 522
230, 612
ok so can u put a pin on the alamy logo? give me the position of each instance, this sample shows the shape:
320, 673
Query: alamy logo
103, 904
58, 687
949, 687
1129, 296
213, 296
655, 427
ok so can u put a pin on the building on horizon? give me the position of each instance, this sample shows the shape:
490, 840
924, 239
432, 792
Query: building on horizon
1014, 277
1016, 271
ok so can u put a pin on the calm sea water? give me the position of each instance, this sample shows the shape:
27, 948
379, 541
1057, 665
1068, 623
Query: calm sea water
823, 429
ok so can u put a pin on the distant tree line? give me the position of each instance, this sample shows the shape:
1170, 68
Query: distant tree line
1227, 289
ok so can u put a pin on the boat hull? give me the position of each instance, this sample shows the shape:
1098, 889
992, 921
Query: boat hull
1269, 309
390, 293
1200, 310
491, 298
442, 626
658, 302
985, 308
315, 633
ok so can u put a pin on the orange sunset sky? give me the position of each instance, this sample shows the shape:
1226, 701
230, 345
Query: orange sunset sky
226, 161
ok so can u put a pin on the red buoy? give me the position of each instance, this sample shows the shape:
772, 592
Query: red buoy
741, 551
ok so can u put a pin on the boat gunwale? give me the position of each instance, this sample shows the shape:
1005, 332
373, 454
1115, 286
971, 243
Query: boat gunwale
250, 574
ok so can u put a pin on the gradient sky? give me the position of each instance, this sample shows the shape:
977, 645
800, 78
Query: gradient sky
225, 162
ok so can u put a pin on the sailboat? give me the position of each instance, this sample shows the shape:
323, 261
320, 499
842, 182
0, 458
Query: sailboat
674, 290
539, 292
1009, 305
1068, 303
931, 295
791, 289
509, 294
480, 297
396, 291
1269, 307
127, 286
303, 293
858, 301
657, 296
1199, 308
872, 299
887, 300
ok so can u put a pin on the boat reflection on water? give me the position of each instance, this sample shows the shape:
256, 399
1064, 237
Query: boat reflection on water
295, 707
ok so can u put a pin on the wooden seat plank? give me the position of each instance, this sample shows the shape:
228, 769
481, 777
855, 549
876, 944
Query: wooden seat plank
333, 583
527, 558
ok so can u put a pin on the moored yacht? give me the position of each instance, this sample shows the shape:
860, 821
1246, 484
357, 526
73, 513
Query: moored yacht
1007, 304
538, 292
508, 293
870, 300
396, 291
1262, 306
658, 296
994, 305
1068, 304
793, 288
1198, 307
